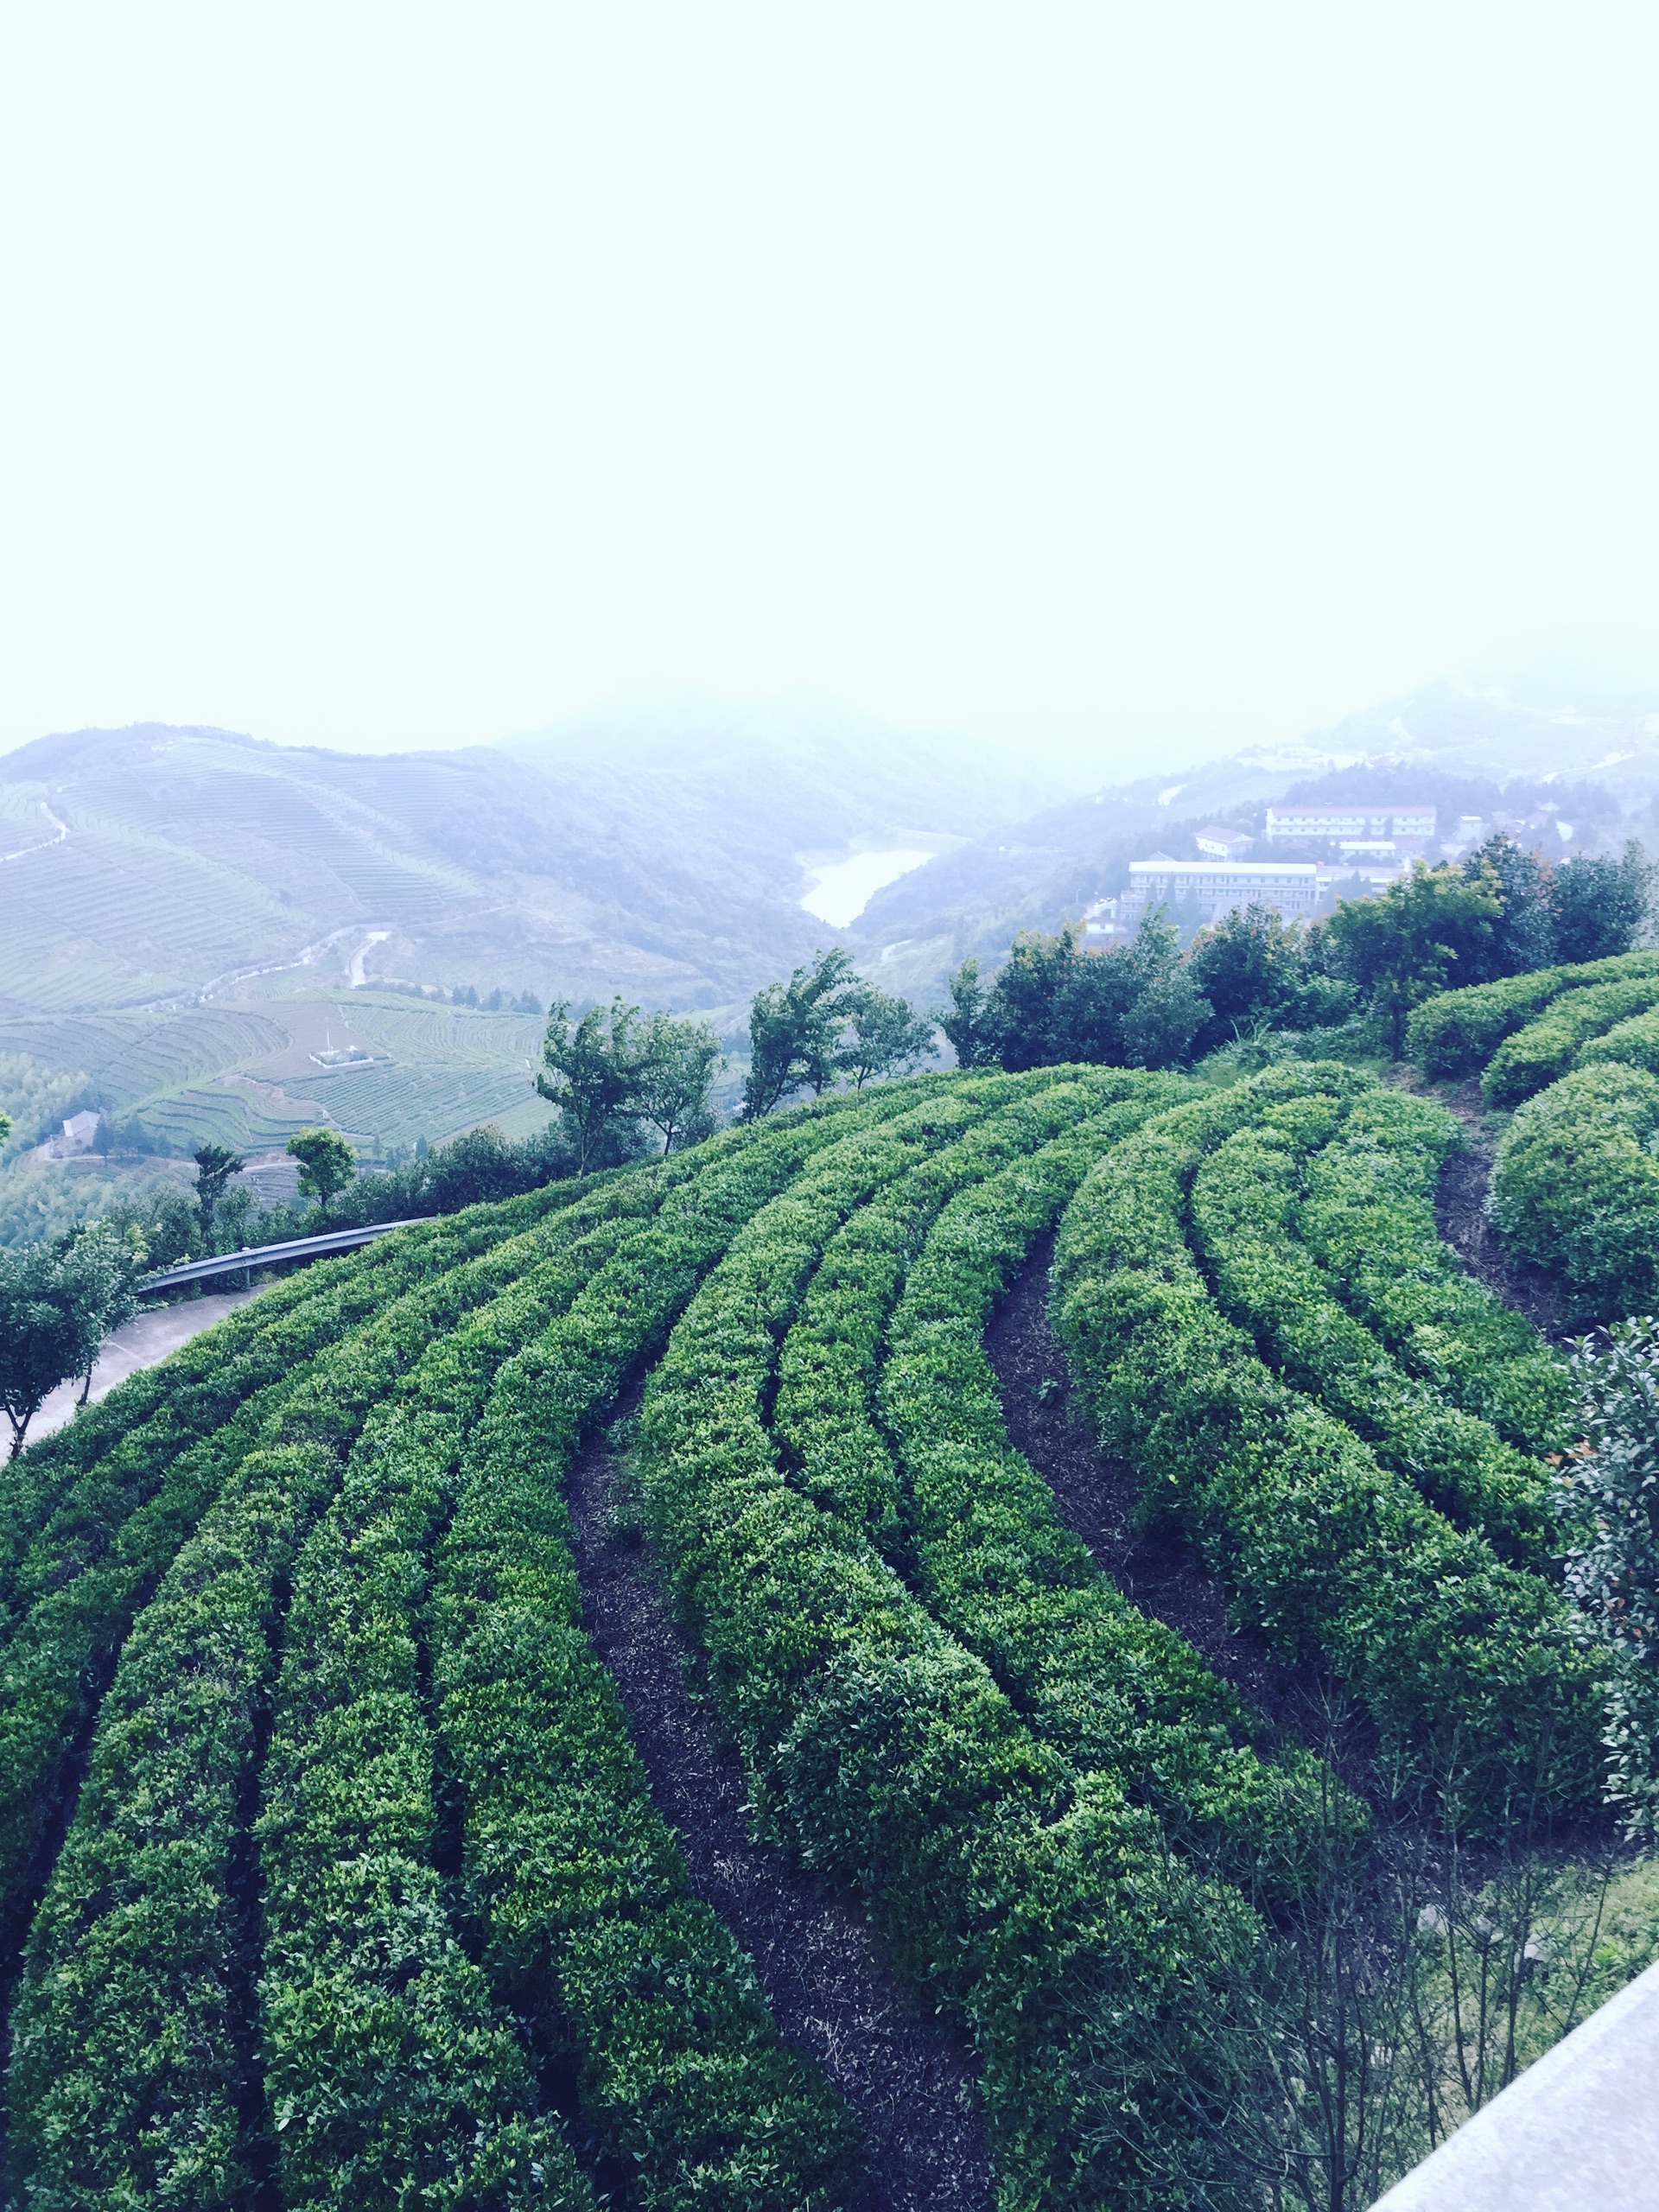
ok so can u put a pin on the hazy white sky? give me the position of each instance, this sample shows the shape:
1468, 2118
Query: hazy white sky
384, 372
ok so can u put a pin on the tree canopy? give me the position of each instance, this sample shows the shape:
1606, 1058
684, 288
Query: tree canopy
327, 1163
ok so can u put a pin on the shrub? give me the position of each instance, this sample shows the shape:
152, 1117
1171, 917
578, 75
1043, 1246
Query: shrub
1039, 1903
1109, 1687
1463, 1664
1456, 1033
1575, 1188
1547, 1048
1244, 1204
1633, 1043
1368, 1219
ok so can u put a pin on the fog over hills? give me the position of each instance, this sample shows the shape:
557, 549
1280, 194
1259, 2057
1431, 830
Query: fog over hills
191, 914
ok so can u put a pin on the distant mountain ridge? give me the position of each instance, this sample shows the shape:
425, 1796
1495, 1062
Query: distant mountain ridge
155, 862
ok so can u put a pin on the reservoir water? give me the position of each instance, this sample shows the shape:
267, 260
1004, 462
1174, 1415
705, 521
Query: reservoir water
839, 894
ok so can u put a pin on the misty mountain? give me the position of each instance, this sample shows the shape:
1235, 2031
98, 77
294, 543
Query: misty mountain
659, 854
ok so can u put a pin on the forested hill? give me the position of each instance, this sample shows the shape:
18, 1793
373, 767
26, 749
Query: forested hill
155, 861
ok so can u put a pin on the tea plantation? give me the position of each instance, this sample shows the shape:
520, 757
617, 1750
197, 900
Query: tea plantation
331, 1872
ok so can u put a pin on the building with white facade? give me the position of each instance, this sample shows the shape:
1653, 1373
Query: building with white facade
1345, 820
1218, 885
1220, 844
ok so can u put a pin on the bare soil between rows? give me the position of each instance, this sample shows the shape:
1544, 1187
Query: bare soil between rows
1460, 1213
909, 2075
1160, 1571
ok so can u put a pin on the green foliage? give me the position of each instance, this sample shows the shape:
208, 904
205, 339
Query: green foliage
1368, 1219
1245, 1201
346, 1964
215, 1166
1089, 1674
1600, 905
1463, 1664
885, 1037
57, 1304
589, 1933
1575, 1187
1611, 1483
591, 1074
1137, 1006
794, 1030
1634, 1043
1456, 1034
964, 1024
1413, 941
1547, 1048
1258, 972
678, 1060
1041, 1903
328, 1162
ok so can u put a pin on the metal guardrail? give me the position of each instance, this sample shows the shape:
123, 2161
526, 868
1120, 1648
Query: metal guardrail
268, 1255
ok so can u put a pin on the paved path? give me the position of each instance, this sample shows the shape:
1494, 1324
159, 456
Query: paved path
141, 1343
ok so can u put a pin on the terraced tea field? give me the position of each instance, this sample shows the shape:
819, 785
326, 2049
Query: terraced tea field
244, 1074
401, 1867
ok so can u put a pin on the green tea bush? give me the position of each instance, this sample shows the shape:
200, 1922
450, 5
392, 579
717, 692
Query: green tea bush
98, 1561
1367, 1216
1039, 1903
128, 2042
1633, 1044
1575, 1187
590, 1936
1456, 1033
1547, 1048
1244, 1203
1466, 1666
1089, 1673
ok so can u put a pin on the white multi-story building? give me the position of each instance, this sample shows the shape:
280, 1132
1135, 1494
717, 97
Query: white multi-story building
1345, 819
1290, 887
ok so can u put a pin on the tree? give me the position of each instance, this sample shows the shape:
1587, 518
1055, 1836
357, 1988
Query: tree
1249, 965
1426, 932
593, 1075
964, 1025
1523, 936
1598, 906
58, 1302
887, 1038
677, 1060
215, 1164
794, 1030
327, 1164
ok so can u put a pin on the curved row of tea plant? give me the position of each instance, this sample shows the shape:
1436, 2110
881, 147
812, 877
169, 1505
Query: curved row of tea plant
1367, 1216
93, 1568
972, 1521
1466, 1666
1575, 1187
1039, 1903
1454, 1033
129, 2054
1091, 1675
1545, 1049
1244, 1203
131, 2058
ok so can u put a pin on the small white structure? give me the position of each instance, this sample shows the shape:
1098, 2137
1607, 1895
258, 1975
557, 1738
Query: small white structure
1101, 925
1217, 843
75, 1138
